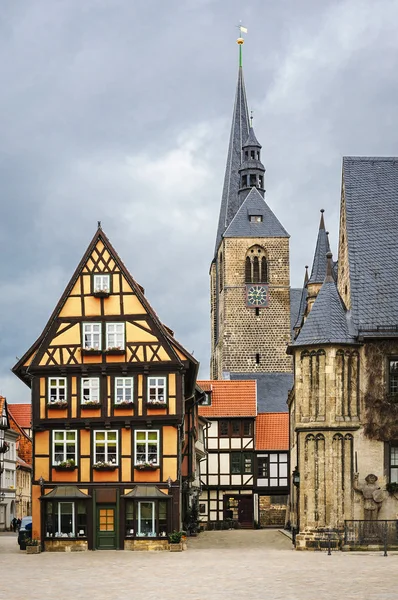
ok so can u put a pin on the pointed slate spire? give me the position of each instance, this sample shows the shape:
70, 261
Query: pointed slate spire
239, 135
252, 140
328, 321
318, 271
303, 303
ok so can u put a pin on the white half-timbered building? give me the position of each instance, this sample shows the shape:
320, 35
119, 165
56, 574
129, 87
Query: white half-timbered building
228, 471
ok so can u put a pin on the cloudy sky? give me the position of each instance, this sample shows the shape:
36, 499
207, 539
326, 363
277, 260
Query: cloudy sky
119, 111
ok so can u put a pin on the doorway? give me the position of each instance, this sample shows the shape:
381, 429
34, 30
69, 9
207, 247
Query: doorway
106, 527
239, 508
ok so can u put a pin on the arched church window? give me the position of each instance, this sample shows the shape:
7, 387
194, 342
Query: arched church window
256, 265
221, 273
264, 270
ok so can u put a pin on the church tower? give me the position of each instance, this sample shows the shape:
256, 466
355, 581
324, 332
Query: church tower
250, 283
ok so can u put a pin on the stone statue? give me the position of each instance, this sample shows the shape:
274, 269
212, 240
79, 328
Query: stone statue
373, 495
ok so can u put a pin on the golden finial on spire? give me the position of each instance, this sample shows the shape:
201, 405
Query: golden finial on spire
241, 41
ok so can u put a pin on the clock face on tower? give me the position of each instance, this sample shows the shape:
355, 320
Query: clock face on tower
256, 295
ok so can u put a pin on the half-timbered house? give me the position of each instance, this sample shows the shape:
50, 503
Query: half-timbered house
109, 389
272, 469
227, 474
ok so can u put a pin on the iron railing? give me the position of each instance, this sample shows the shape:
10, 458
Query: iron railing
368, 533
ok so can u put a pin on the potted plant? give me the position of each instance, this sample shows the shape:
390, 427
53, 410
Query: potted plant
157, 403
175, 541
101, 465
115, 350
392, 488
91, 351
32, 546
66, 465
146, 466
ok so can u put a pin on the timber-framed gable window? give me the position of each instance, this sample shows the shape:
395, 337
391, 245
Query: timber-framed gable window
65, 519
146, 448
394, 464
92, 336
57, 390
157, 394
105, 449
235, 428
115, 336
393, 377
101, 284
241, 463
124, 389
64, 448
90, 391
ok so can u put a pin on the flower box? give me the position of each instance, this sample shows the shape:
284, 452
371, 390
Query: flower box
91, 352
124, 405
33, 549
146, 467
115, 351
175, 547
65, 466
57, 405
104, 467
101, 293
90, 405
151, 404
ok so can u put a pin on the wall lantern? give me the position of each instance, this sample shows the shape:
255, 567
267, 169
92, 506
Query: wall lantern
296, 477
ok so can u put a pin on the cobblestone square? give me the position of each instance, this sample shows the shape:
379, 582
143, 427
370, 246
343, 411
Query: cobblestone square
217, 565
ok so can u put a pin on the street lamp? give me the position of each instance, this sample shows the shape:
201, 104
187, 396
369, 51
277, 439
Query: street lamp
296, 477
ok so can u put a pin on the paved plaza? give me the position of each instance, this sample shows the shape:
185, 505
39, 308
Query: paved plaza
227, 564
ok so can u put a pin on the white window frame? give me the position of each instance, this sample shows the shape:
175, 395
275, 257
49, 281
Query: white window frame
102, 282
73, 517
106, 442
146, 443
90, 386
88, 329
58, 388
160, 382
115, 333
64, 442
153, 532
124, 387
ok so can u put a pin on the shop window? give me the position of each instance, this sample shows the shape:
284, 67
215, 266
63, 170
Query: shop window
66, 519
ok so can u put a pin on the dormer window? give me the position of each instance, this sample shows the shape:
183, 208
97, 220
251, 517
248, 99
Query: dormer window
256, 218
206, 399
101, 284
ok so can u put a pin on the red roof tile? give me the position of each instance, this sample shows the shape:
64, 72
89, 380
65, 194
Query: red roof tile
272, 431
230, 398
22, 414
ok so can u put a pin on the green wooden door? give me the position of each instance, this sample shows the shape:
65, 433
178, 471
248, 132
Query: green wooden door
106, 527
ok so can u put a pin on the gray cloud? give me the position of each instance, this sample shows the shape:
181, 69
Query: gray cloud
120, 111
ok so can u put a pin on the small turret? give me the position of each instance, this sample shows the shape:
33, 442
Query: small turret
252, 169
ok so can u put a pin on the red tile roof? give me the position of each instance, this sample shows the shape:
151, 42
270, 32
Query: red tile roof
229, 399
272, 431
22, 414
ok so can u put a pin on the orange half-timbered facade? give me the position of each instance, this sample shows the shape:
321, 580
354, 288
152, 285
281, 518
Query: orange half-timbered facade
110, 386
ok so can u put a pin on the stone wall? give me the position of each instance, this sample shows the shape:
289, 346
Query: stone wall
65, 545
146, 545
271, 514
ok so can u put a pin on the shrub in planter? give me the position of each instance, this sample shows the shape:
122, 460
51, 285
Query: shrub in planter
32, 546
175, 540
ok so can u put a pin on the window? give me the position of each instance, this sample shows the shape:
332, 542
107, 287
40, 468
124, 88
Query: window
241, 463
253, 180
64, 446
57, 390
101, 283
223, 428
90, 390
115, 336
207, 399
146, 447
247, 428
157, 390
244, 181
256, 218
235, 429
66, 519
262, 467
92, 336
252, 155
150, 518
394, 464
256, 270
123, 389
106, 447
256, 265
129, 519
393, 379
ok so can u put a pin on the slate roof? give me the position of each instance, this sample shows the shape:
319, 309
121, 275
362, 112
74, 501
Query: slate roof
272, 389
318, 271
302, 303
22, 414
146, 491
252, 140
272, 431
229, 398
241, 226
66, 491
239, 134
296, 300
371, 197
328, 322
